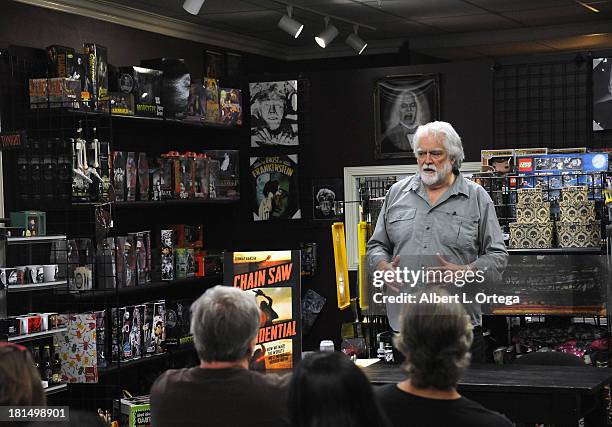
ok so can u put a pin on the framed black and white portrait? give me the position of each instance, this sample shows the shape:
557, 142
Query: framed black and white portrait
274, 117
602, 93
401, 105
328, 199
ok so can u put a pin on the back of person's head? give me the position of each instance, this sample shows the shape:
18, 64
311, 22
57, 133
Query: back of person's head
20, 382
328, 390
224, 324
78, 418
435, 338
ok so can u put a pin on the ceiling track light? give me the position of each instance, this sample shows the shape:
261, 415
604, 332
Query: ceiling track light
328, 35
356, 42
588, 6
290, 25
193, 6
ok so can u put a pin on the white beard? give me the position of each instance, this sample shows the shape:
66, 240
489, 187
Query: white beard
437, 177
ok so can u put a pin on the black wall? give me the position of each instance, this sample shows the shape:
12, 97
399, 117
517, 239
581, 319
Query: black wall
338, 126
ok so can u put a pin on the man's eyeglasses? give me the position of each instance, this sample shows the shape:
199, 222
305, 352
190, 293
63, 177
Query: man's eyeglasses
435, 154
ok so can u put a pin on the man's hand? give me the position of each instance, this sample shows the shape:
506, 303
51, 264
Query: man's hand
390, 266
444, 267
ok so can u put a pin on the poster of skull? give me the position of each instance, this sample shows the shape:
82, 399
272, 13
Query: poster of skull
327, 197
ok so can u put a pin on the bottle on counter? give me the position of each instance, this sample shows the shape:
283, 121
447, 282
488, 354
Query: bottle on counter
47, 373
38, 365
56, 369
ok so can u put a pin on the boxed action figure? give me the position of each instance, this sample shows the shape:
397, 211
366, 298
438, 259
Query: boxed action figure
212, 101
181, 262
146, 86
159, 326
64, 92
125, 316
62, 59
176, 82
131, 176
144, 183
38, 93
119, 165
188, 236
178, 320
201, 177
121, 104
167, 254
97, 73
130, 267
224, 173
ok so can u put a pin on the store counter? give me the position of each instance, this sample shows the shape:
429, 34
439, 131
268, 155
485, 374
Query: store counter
529, 394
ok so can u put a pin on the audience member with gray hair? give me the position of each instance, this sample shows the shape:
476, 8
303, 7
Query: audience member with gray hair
439, 220
435, 339
224, 323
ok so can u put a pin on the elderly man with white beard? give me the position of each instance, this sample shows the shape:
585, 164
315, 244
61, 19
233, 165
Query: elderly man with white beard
438, 221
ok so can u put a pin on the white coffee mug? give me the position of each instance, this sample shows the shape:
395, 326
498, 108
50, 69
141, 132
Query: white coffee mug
8, 276
21, 275
50, 272
32, 273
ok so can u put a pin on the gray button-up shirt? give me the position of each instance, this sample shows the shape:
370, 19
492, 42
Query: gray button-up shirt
461, 226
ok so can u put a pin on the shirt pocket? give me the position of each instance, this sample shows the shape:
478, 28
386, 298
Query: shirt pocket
401, 225
461, 232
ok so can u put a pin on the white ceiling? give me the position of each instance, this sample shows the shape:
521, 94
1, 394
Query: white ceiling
449, 29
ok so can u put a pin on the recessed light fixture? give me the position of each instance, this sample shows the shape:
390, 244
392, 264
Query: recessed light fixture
193, 6
290, 25
328, 35
356, 42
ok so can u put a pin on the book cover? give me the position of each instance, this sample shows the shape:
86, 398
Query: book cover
273, 278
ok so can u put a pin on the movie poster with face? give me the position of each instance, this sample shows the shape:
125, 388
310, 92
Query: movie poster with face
402, 104
274, 113
327, 197
275, 187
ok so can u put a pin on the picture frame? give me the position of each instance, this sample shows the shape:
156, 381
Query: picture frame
401, 104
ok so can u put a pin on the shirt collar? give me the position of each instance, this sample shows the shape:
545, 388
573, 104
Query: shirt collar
459, 186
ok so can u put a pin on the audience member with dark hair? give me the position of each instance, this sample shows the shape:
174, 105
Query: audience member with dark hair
20, 383
221, 391
435, 338
328, 390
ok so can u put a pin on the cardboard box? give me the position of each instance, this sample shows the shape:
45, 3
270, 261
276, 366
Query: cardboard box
574, 195
167, 255
121, 104
39, 97
533, 213
97, 72
133, 412
576, 235
146, 86
64, 92
176, 82
581, 213
178, 320
531, 236
62, 60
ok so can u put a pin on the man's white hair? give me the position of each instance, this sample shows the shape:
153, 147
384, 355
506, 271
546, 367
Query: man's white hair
452, 140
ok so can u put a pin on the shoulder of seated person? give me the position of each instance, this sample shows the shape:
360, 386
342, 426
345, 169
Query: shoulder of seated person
280, 380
